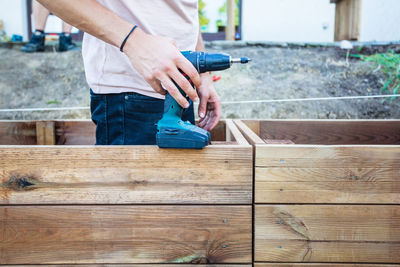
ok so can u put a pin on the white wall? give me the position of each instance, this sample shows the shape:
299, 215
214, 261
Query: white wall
13, 15
380, 20
288, 20
211, 10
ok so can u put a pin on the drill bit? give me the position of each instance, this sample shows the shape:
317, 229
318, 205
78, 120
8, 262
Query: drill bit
242, 60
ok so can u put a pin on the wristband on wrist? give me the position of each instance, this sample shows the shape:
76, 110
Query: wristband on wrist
126, 38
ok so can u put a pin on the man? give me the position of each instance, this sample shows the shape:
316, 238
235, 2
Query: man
36, 44
128, 88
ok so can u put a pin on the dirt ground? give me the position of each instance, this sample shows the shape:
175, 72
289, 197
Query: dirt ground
57, 80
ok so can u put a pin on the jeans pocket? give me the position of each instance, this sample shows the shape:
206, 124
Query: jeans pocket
141, 116
98, 109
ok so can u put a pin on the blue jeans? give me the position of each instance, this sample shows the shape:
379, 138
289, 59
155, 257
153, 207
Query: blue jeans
128, 118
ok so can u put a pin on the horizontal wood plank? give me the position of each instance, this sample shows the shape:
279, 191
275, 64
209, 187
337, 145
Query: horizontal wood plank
17, 133
125, 234
140, 265
265, 264
310, 156
75, 132
327, 185
314, 251
333, 132
125, 174
327, 233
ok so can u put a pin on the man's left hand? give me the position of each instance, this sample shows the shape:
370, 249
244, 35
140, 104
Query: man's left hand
210, 104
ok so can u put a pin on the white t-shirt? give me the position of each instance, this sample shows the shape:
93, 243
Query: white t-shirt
109, 71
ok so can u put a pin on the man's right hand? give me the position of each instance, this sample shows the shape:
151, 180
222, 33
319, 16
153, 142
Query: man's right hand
159, 60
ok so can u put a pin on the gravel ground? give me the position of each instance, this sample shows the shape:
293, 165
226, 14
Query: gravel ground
32, 80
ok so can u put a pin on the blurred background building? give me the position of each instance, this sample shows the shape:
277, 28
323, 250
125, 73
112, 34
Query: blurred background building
263, 20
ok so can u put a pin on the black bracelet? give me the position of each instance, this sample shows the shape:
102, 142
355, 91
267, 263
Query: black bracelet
126, 39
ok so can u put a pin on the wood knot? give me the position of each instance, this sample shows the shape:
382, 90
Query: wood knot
21, 183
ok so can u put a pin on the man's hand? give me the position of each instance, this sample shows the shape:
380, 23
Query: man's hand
210, 105
158, 59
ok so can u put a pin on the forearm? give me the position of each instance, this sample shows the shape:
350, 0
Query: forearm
91, 17
200, 44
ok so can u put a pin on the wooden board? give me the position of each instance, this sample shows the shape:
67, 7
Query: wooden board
17, 133
309, 156
125, 234
45, 133
125, 174
141, 265
327, 185
327, 233
75, 132
248, 133
332, 132
321, 264
347, 20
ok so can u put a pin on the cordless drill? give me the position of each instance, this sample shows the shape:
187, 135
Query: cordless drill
172, 131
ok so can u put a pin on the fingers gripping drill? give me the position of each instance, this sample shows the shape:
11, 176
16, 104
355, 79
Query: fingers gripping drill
172, 131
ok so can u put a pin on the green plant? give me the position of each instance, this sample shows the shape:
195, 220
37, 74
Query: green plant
389, 64
202, 17
223, 10
53, 102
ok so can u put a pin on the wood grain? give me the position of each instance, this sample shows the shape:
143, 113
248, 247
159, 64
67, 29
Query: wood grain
233, 133
311, 156
140, 265
327, 185
327, 233
125, 234
17, 133
332, 132
314, 251
258, 264
75, 132
125, 174
249, 134
347, 20
45, 133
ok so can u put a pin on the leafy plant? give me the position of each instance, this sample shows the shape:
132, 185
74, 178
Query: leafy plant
53, 102
389, 64
223, 11
202, 16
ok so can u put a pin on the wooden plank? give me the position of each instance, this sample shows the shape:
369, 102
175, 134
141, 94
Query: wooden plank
141, 265
264, 264
233, 133
219, 132
347, 20
125, 234
327, 185
251, 136
75, 132
230, 25
327, 233
254, 125
333, 132
314, 251
309, 156
125, 174
17, 133
45, 133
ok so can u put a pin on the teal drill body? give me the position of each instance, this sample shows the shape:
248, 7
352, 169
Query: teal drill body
172, 131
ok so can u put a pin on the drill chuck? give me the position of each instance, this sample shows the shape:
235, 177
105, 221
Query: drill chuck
205, 62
